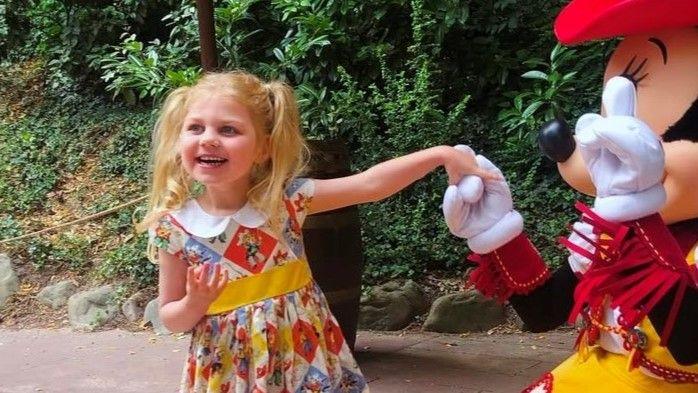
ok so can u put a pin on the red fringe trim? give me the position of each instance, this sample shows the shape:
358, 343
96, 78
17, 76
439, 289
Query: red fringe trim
635, 264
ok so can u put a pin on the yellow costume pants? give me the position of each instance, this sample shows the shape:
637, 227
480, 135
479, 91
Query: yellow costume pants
604, 372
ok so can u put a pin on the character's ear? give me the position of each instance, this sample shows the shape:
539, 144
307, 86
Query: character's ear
686, 128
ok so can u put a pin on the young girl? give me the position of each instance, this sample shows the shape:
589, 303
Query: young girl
232, 264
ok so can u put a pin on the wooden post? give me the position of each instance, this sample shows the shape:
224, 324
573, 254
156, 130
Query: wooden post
207, 35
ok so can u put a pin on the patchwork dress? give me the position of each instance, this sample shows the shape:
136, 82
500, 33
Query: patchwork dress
288, 343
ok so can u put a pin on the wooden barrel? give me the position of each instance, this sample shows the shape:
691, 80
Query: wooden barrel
333, 241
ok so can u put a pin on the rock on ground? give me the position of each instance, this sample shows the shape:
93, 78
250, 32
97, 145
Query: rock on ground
57, 295
392, 306
91, 309
152, 317
9, 283
462, 312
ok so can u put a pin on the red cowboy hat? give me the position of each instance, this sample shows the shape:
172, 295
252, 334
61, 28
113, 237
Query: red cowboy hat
584, 20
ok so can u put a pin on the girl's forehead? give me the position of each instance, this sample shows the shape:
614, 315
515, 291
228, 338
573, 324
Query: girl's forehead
216, 106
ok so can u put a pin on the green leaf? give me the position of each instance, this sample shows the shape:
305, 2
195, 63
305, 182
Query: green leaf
535, 75
569, 75
531, 109
279, 54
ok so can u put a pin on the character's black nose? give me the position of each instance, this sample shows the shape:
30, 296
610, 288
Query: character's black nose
555, 140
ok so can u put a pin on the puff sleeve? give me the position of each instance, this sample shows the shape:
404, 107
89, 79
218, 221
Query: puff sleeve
168, 236
299, 195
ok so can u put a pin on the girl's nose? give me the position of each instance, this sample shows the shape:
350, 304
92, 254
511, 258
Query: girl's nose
209, 138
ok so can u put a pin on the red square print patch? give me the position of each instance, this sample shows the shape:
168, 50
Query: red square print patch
250, 248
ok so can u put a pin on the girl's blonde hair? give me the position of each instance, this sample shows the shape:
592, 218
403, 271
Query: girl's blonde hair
274, 113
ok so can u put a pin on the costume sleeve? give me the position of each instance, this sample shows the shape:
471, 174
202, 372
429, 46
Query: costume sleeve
517, 272
514, 268
167, 236
683, 342
549, 305
299, 195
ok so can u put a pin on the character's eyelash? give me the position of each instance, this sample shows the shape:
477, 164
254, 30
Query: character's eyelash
632, 75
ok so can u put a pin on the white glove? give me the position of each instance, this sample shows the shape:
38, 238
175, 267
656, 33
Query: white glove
481, 212
624, 157
578, 262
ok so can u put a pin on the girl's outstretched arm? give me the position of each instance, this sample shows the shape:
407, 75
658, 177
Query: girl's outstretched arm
185, 292
389, 177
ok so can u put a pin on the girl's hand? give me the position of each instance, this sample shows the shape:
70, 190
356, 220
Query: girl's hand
202, 289
460, 161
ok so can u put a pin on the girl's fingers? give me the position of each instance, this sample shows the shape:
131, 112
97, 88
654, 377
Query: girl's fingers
203, 273
215, 276
222, 282
488, 174
485, 174
191, 276
453, 178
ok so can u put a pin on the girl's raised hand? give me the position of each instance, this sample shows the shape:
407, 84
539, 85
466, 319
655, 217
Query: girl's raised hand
203, 289
460, 161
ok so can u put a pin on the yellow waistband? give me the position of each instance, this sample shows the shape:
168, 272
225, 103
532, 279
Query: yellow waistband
277, 281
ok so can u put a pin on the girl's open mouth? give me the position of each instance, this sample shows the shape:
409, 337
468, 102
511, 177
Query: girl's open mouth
211, 161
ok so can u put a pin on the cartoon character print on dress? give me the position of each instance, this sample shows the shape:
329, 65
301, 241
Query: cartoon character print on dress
333, 336
274, 367
280, 257
305, 340
197, 253
221, 238
296, 202
315, 382
292, 231
260, 340
220, 367
250, 248
351, 382
166, 237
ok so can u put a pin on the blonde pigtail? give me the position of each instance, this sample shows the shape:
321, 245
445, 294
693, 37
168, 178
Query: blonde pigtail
287, 150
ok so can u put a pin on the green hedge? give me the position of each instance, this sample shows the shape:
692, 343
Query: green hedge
388, 76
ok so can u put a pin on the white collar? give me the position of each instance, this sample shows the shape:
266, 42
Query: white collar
199, 223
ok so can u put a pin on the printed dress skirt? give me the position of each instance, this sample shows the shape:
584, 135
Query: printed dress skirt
290, 343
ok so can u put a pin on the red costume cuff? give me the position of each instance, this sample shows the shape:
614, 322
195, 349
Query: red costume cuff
514, 268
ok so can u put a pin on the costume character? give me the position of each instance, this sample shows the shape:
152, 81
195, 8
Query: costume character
631, 276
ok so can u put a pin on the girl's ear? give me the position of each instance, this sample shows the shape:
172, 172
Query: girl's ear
264, 149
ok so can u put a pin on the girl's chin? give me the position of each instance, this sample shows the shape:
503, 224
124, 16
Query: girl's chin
209, 180
215, 180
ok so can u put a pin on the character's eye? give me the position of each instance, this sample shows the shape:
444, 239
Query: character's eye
632, 75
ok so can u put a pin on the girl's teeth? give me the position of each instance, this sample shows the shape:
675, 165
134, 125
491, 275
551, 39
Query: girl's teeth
211, 161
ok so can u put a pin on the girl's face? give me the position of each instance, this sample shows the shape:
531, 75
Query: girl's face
218, 142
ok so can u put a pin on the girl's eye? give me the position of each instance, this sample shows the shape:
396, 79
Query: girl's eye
228, 130
196, 128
